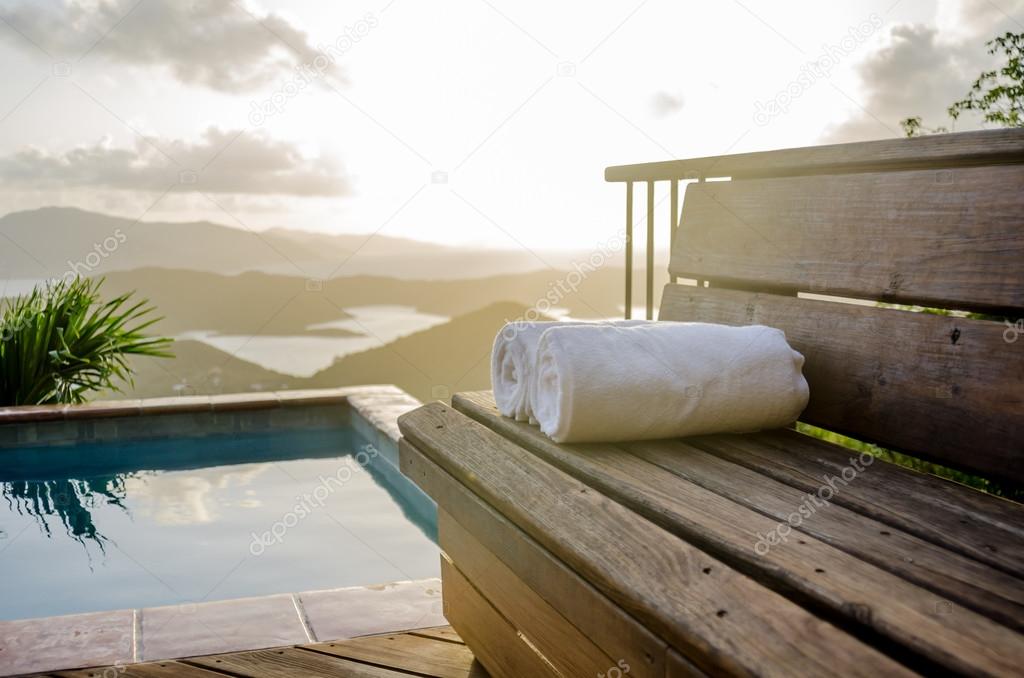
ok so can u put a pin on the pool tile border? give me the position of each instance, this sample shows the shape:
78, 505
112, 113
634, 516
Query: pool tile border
50, 425
120, 637
226, 402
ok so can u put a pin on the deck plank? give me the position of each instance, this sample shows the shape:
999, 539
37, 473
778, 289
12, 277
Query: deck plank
288, 662
726, 623
171, 669
437, 652
407, 652
440, 633
825, 576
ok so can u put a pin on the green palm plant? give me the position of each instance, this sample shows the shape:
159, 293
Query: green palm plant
62, 342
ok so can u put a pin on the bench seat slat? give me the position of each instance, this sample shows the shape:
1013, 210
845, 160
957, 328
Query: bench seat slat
986, 528
964, 580
827, 576
727, 622
943, 388
947, 238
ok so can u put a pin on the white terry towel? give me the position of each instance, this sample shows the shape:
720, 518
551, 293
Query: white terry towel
513, 360
665, 380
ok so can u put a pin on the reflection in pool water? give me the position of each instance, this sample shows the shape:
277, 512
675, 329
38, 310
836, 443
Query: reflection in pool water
109, 526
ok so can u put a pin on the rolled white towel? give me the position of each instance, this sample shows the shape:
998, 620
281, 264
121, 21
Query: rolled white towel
513, 360
665, 380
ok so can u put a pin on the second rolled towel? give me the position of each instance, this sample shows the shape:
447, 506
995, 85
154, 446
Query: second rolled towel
664, 380
513, 360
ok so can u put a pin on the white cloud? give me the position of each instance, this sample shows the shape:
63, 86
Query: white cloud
921, 70
224, 45
220, 161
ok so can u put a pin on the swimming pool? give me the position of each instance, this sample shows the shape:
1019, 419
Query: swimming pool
112, 523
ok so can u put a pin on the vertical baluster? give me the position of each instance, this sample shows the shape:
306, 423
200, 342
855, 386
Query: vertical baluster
650, 250
629, 250
674, 221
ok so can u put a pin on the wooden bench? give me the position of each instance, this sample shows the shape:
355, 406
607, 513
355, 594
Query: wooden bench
776, 553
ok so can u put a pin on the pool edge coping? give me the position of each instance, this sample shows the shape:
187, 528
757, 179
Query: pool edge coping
225, 402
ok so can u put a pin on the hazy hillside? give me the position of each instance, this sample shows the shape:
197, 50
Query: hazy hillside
47, 242
259, 303
247, 304
430, 364
200, 369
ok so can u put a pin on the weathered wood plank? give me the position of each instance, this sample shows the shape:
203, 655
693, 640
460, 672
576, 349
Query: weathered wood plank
440, 633
290, 662
167, 669
568, 650
986, 528
725, 623
960, 579
946, 389
679, 666
965, 581
495, 642
909, 615
580, 603
964, 149
953, 239
406, 652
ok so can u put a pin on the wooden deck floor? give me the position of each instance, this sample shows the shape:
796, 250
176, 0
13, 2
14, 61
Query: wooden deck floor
427, 652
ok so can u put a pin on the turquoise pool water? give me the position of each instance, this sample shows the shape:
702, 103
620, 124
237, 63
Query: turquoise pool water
138, 524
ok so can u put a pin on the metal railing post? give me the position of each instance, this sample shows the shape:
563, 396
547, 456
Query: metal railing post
650, 250
629, 250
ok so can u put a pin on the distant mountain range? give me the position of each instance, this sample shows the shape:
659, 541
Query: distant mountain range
265, 304
47, 242
209, 278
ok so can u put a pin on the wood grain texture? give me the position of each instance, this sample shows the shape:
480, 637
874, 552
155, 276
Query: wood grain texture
946, 389
167, 669
495, 642
291, 662
948, 238
963, 149
581, 604
960, 579
823, 574
405, 652
568, 650
679, 666
754, 471
983, 527
725, 623
441, 633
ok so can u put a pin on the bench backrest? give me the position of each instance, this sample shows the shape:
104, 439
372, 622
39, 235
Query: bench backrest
934, 221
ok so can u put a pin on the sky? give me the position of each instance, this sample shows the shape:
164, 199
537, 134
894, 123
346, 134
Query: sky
467, 122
